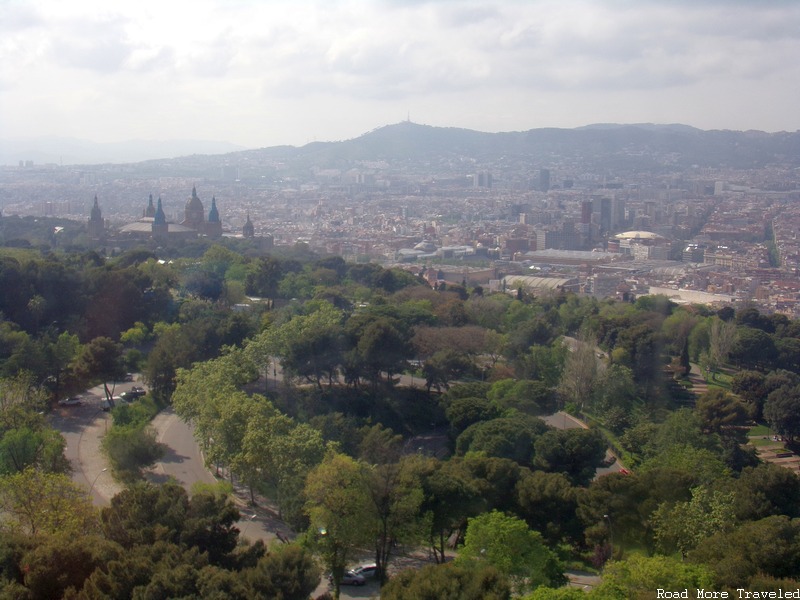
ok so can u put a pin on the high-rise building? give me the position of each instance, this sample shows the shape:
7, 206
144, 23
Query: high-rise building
605, 215
482, 179
544, 180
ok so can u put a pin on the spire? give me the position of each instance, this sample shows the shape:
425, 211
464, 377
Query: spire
248, 230
95, 210
194, 191
150, 211
160, 218
213, 214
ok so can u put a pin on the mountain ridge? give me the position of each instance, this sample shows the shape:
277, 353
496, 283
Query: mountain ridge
637, 145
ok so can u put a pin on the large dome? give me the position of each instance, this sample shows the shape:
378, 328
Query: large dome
194, 203
638, 235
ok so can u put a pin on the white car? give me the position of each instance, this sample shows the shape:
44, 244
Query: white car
367, 570
74, 401
350, 578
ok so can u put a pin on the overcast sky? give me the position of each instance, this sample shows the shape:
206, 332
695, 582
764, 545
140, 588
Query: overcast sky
267, 72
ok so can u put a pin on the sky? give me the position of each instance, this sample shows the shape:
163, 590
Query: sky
261, 73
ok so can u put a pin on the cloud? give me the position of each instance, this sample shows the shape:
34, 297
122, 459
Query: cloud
241, 62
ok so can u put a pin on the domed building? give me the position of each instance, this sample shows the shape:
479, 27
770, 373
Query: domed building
194, 215
154, 222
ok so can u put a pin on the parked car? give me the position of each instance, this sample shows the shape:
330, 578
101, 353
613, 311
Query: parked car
138, 391
350, 578
129, 396
367, 570
74, 401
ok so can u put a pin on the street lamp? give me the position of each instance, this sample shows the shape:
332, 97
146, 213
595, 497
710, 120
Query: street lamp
95, 480
246, 525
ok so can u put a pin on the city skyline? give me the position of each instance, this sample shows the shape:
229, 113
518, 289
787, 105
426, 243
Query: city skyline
260, 74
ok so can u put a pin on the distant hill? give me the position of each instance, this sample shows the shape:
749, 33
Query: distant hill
618, 148
645, 147
72, 151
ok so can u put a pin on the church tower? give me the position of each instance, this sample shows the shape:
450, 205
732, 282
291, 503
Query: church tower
160, 226
214, 225
96, 226
150, 211
248, 230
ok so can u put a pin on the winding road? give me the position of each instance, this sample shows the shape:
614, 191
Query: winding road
84, 427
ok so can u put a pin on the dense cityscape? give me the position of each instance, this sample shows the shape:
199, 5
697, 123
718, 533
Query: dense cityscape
712, 234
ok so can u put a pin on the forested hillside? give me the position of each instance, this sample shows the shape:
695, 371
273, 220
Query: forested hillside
379, 415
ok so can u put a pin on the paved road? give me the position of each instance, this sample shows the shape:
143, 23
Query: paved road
84, 426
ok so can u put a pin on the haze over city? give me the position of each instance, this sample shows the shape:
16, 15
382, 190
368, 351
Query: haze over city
259, 74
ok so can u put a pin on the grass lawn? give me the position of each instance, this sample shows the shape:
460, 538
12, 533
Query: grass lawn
723, 381
760, 441
760, 430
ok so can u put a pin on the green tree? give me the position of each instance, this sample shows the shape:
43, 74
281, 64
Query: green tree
684, 525
40, 503
143, 514
614, 389
530, 397
288, 572
750, 387
396, 495
62, 563
280, 452
782, 411
310, 345
62, 351
445, 366
576, 453
718, 409
722, 338
100, 360
42, 449
505, 437
548, 503
765, 547
434, 582
542, 363
338, 504
638, 577
506, 543
450, 497
493, 477
580, 372
753, 349
765, 490
131, 449
463, 412
565, 593
382, 348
